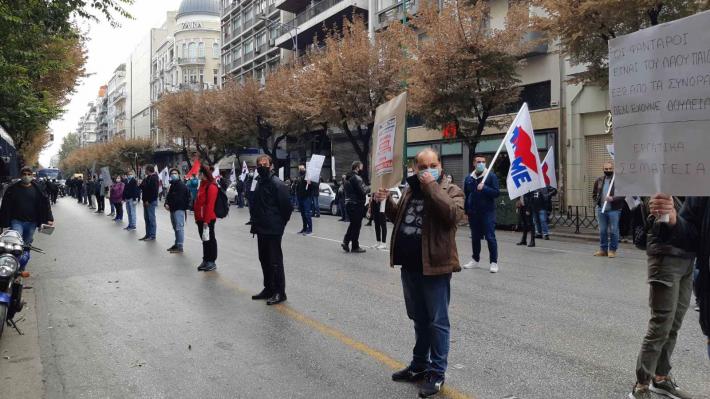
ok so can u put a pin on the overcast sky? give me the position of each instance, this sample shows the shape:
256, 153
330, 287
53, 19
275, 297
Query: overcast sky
107, 47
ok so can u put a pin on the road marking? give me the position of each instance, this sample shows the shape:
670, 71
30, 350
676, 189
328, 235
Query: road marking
343, 338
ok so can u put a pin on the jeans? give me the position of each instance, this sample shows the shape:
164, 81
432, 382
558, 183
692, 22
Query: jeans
113, 207
541, 223
209, 247
356, 212
240, 200
427, 302
608, 229
26, 229
483, 226
131, 210
118, 208
304, 206
149, 217
316, 206
343, 210
670, 279
177, 219
272, 263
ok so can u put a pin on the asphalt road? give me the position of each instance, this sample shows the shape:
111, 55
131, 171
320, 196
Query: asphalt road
119, 318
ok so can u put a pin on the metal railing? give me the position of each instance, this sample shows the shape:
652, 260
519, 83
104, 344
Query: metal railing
574, 216
192, 60
396, 12
310, 12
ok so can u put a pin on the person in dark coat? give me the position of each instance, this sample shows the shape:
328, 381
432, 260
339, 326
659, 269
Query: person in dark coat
526, 211
304, 194
131, 195
149, 189
177, 202
481, 211
355, 196
25, 207
270, 211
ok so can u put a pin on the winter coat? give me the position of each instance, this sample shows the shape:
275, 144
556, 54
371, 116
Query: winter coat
484, 201
444, 209
116, 194
204, 203
150, 188
131, 192
599, 197
355, 189
270, 207
178, 197
305, 189
7, 208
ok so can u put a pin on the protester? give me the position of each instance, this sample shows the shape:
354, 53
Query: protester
193, 184
131, 195
100, 199
526, 210
206, 218
149, 189
116, 198
177, 202
90, 192
542, 202
378, 215
424, 244
340, 200
671, 250
25, 207
240, 193
481, 211
304, 194
609, 219
355, 196
53, 190
271, 210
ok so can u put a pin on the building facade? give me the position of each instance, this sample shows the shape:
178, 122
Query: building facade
86, 129
102, 115
117, 120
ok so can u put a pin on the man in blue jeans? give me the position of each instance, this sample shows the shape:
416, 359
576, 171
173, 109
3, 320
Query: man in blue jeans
424, 245
602, 192
177, 201
25, 207
131, 196
149, 188
481, 210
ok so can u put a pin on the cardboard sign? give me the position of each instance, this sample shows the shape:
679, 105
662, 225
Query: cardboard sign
659, 88
386, 168
314, 167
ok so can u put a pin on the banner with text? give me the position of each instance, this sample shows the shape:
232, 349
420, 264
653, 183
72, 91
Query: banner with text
386, 168
659, 89
314, 167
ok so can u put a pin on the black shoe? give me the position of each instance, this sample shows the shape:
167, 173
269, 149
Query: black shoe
144, 238
171, 249
276, 299
538, 235
531, 245
302, 231
210, 266
522, 243
358, 250
176, 250
547, 236
202, 266
150, 239
264, 294
409, 375
345, 247
248, 223
432, 385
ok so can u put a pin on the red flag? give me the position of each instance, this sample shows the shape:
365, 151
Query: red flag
195, 169
449, 131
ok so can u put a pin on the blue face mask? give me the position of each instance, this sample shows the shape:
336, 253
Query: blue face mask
434, 173
480, 167
174, 177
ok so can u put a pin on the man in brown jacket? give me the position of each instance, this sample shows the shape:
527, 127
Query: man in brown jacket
424, 245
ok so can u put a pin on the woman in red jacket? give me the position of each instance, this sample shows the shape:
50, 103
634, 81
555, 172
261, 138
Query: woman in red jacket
205, 218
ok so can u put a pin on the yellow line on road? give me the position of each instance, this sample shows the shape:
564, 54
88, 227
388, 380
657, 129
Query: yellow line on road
341, 337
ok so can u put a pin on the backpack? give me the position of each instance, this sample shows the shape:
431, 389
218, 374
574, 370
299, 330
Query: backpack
221, 204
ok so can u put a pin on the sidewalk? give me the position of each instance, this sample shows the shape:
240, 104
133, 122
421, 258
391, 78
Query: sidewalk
20, 363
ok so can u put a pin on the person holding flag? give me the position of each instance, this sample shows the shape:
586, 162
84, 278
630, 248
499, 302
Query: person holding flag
481, 192
608, 208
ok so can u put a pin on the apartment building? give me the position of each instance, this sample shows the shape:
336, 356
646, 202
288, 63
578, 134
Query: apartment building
116, 101
86, 129
102, 115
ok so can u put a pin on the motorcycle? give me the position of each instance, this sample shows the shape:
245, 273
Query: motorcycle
14, 257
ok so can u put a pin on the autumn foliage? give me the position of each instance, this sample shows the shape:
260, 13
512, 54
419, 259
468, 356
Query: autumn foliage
119, 155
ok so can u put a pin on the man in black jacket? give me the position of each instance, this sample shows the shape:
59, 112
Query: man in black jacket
602, 193
131, 196
355, 195
149, 189
304, 195
25, 207
270, 211
177, 201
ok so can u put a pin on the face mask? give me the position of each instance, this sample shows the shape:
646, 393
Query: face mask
130, 177
410, 173
434, 173
27, 179
263, 171
480, 167
174, 177
118, 180
302, 172
608, 173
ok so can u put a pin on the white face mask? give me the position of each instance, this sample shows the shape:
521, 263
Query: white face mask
118, 180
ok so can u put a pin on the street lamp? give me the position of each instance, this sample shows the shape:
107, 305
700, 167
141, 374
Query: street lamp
278, 24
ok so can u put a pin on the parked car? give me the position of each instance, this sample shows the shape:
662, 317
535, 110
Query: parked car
326, 198
395, 191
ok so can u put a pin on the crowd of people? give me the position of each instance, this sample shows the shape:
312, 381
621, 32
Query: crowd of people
422, 243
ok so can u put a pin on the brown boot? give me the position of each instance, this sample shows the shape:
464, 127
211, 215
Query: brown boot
601, 253
612, 254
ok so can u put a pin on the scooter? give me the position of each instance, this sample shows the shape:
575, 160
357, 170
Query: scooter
14, 257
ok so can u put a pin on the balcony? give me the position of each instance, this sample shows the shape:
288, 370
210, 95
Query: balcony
229, 7
396, 12
192, 61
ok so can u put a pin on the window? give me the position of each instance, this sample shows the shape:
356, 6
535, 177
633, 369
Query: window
202, 75
193, 75
215, 49
201, 49
215, 73
261, 39
537, 95
248, 46
192, 50
184, 50
184, 77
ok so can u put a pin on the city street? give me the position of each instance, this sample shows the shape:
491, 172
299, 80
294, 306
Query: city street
120, 318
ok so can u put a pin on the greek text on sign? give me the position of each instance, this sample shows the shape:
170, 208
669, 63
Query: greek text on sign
384, 154
659, 90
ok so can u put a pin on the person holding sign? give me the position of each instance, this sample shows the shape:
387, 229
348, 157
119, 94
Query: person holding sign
304, 195
355, 195
424, 245
608, 208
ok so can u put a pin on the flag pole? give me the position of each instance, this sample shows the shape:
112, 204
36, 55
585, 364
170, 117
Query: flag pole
495, 158
608, 193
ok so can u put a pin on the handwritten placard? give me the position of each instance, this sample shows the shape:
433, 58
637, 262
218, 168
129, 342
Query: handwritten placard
384, 152
659, 88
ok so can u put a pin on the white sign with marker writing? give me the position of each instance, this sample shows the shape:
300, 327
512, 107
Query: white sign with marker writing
659, 89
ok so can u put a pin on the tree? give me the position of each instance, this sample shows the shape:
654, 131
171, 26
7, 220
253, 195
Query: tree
119, 155
70, 143
584, 27
352, 76
464, 71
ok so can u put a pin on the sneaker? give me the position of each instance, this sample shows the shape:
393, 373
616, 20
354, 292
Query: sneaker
345, 247
176, 250
307, 233
358, 250
697, 307
432, 385
601, 253
494, 267
547, 236
201, 267
172, 248
129, 228
209, 266
410, 374
382, 246
640, 392
470, 265
144, 238
612, 254
668, 387
522, 243
150, 239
